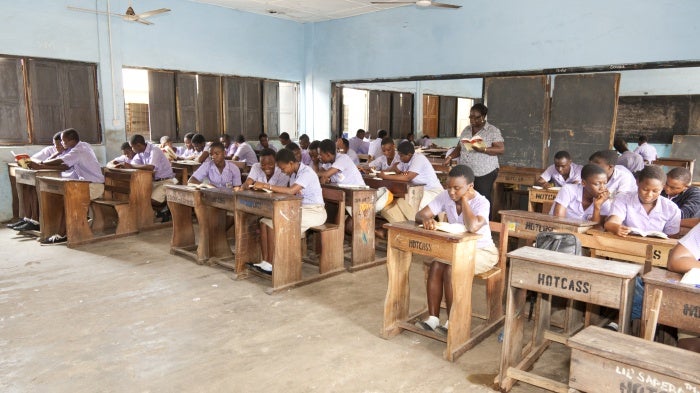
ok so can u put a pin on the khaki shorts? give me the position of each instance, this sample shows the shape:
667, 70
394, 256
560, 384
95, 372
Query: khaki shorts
96, 190
428, 196
485, 259
311, 216
158, 193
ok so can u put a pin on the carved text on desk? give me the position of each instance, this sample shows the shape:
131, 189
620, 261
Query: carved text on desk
543, 196
418, 245
51, 187
563, 283
26, 176
649, 383
691, 310
183, 198
537, 227
250, 203
513, 178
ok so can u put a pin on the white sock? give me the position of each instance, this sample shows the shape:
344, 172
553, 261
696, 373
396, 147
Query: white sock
264, 265
446, 323
433, 321
35, 222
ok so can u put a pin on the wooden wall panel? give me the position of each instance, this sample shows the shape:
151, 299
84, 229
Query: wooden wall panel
186, 104
13, 109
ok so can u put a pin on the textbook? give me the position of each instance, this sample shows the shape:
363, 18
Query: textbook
453, 228
691, 277
21, 159
476, 140
637, 231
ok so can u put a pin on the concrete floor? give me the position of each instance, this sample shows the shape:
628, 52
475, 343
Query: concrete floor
126, 316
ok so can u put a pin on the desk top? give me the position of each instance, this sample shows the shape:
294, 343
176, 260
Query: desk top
664, 278
273, 196
640, 239
347, 187
581, 263
535, 216
52, 179
411, 226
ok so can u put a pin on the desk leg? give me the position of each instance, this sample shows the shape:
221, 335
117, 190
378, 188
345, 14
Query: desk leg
247, 240
396, 304
76, 205
213, 228
287, 232
459, 330
50, 219
626, 307
17, 210
362, 228
512, 349
183, 231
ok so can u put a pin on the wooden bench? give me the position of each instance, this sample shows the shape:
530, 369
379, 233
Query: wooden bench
126, 203
329, 239
607, 361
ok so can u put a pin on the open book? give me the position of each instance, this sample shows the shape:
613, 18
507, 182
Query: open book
637, 231
21, 159
476, 140
262, 189
692, 277
454, 228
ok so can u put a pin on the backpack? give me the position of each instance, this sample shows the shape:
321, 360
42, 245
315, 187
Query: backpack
556, 241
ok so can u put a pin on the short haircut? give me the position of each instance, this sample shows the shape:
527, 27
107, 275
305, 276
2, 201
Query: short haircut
125, 146
189, 135
284, 136
198, 138
293, 146
481, 108
387, 141
267, 152
652, 172
643, 139
681, 174
562, 154
240, 138
285, 156
462, 171
262, 135
409, 134
382, 134
620, 145
226, 137
360, 131
314, 145
217, 145
589, 170
57, 136
304, 137
406, 147
346, 144
608, 156
327, 146
137, 139
71, 134
164, 139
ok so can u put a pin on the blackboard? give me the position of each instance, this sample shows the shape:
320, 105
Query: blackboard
518, 106
583, 114
687, 146
657, 117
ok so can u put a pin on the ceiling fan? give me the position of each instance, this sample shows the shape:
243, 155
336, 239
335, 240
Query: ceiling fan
129, 15
420, 3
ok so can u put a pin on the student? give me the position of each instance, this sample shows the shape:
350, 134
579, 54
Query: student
200, 148
586, 201
620, 179
314, 155
563, 171
149, 158
284, 139
244, 152
358, 144
219, 172
644, 209
127, 156
679, 190
629, 159
375, 146
336, 167
294, 148
683, 257
230, 148
388, 158
186, 152
166, 146
266, 171
264, 143
304, 142
425, 142
303, 182
77, 162
343, 147
647, 151
417, 169
463, 205
50, 152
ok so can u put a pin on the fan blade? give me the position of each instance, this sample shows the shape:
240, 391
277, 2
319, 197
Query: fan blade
393, 2
144, 21
153, 12
443, 5
91, 11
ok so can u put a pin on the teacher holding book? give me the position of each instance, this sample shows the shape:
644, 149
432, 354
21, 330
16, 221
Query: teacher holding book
479, 146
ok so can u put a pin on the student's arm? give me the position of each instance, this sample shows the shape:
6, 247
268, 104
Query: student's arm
325, 175
559, 210
597, 205
294, 189
56, 163
403, 176
614, 225
426, 217
689, 222
455, 153
193, 180
680, 260
127, 165
542, 183
202, 157
472, 221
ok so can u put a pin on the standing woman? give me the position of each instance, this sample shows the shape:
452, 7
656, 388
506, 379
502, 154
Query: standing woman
481, 158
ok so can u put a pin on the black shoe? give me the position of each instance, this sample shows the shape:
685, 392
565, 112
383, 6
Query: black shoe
16, 224
27, 226
167, 216
55, 239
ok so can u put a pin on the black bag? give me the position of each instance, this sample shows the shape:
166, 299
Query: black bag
562, 242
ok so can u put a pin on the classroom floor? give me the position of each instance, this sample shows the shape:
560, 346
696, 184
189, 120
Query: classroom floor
126, 316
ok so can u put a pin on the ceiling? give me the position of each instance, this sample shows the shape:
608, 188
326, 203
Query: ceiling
303, 10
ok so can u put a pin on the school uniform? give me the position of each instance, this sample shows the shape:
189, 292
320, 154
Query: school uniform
571, 197
375, 148
278, 177
380, 163
631, 160
83, 165
647, 151
358, 145
426, 176
231, 150
229, 177
552, 174
45, 153
691, 241
306, 157
621, 181
184, 152
162, 170
347, 171
246, 153
259, 147
486, 251
353, 156
688, 201
665, 216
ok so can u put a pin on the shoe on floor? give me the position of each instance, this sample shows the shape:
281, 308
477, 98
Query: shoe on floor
612, 326
260, 268
27, 226
441, 330
16, 224
54, 239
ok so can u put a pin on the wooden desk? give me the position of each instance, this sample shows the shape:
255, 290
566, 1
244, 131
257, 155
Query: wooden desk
132, 188
188, 167
362, 202
65, 199
514, 176
405, 239
680, 304
438, 152
413, 193
541, 197
607, 361
27, 183
609, 242
687, 163
550, 273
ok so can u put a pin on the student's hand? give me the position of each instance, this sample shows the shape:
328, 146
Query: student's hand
623, 231
33, 165
324, 179
237, 188
259, 185
429, 224
600, 199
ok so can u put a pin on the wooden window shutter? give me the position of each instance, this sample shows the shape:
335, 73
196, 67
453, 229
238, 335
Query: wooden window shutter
13, 110
46, 100
447, 123
161, 104
271, 108
401, 114
233, 106
379, 111
209, 106
431, 111
186, 104
336, 109
80, 101
253, 109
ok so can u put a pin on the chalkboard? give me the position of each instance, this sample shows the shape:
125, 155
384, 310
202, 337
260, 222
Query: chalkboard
687, 146
518, 106
583, 114
657, 117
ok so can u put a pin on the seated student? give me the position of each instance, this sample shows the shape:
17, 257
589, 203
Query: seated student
343, 147
264, 143
358, 144
647, 151
410, 137
186, 152
77, 162
683, 257
336, 167
266, 171
463, 205
50, 152
417, 169
303, 182
284, 139
127, 156
166, 146
229, 148
679, 190
387, 159
244, 152
304, 142
298, 153
586, 201
200, 148
620, 179
375, 146
629, 159
150, 158
219, 172
425, 142
563, 171
313, 154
